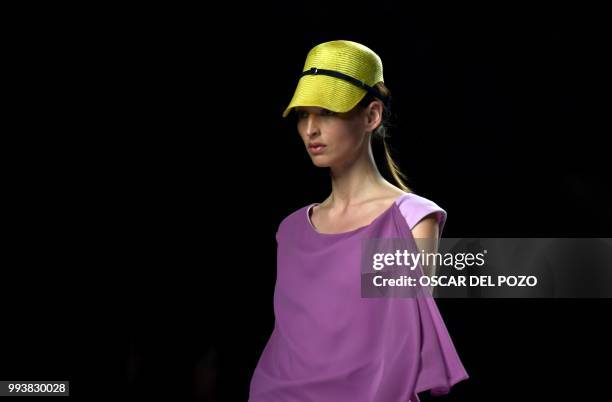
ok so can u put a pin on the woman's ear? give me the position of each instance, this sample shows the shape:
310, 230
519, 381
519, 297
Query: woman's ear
374, 115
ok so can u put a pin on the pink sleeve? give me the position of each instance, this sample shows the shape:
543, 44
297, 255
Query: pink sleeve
414, 208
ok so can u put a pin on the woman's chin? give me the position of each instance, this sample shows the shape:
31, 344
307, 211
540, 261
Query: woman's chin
320, 162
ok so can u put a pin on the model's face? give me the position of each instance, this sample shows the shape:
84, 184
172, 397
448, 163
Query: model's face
343, 135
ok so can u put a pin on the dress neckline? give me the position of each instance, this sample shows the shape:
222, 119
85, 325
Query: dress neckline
380, 216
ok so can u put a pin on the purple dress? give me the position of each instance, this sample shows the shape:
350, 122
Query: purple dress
331, 345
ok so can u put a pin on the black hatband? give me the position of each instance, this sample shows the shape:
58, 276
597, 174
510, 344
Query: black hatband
332, 73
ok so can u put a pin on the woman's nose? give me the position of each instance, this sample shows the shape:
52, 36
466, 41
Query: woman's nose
312, 125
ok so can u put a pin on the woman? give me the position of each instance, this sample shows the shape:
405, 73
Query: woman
330, 343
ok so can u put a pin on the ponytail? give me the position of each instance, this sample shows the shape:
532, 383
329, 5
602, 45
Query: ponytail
380, 134
396, 173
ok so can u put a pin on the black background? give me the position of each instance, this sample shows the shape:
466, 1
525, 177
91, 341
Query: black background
147, 167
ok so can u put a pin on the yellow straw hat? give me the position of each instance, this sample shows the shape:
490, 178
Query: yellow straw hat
337, 75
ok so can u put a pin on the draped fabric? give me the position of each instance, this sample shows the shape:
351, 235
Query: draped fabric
331, 345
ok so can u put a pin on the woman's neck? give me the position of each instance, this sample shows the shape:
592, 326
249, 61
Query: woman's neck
359, 183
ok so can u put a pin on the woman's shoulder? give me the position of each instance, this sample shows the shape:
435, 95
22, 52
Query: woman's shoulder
294, 216
415, 207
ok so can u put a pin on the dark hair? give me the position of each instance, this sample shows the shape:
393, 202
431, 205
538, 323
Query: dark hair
379, 136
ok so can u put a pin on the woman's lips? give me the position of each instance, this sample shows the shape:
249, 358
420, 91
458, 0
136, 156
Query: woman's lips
316, 149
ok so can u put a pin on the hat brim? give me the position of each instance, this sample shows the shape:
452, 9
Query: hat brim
326, 92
